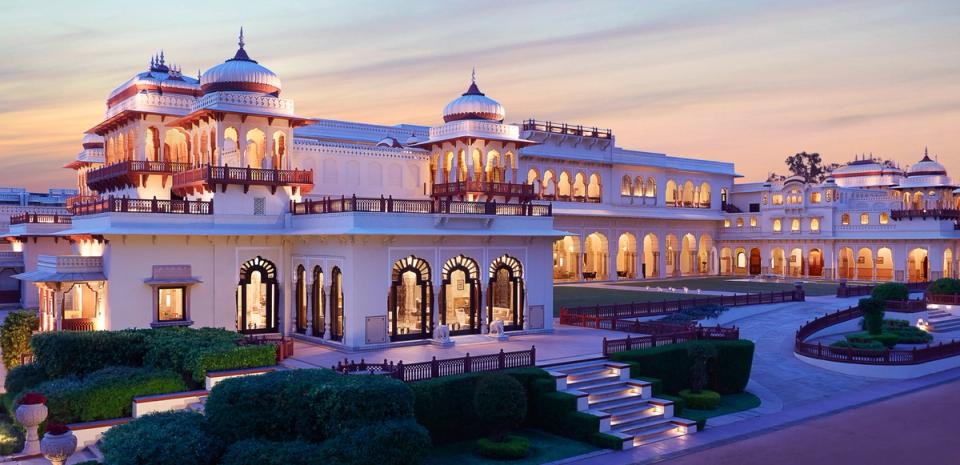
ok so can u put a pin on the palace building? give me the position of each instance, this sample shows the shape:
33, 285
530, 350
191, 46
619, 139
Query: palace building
211, 202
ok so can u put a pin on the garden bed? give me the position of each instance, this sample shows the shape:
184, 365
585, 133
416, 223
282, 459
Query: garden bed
544, 447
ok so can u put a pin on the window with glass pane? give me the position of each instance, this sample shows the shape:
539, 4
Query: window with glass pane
170, 304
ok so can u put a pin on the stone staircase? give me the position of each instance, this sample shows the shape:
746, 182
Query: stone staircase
942, 321
625, 406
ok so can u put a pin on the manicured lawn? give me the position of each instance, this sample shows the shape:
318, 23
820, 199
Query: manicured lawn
570, 296
730, 403
733, 284
544, 447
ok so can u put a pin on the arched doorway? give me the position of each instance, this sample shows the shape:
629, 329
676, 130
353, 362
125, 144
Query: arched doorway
505, 292
918, 266
947, 263
815, 263
411, 295
688, 255
257, 297
460, 295
301, 300
796, 263
651, 256
756, 262
336, 304
884, 264
318, 302
673, 267
627, 256
778, 262
566, 259
595, 257
706, 255
865, 264
726, 260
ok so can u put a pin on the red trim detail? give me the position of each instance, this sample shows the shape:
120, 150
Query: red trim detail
240, 87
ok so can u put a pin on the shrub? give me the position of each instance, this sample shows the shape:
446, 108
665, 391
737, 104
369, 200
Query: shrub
444, 406
688, 315
890, 291
501, 403
944, 286
346, 402
11, 438
15, 335
65, 353
907, 334
169, 438
872, 314
512, 448
106, 393
729, 372
700, 353
24, 377
887, 339
263, 452
393, 442
703, 400
228, 358
869, 345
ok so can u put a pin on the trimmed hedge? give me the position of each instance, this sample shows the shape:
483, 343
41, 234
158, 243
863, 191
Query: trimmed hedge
104, 394
703, 400
513, 448
263, 452
890, 291
888, 340
871, 345
729, 372
393, 442
76, 353
944, 286
168, 438
15, 336
24, 377
500, 402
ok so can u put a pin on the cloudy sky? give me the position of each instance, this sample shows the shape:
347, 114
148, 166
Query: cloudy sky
744, 81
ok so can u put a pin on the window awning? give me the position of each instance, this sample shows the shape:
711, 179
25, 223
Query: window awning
43, 276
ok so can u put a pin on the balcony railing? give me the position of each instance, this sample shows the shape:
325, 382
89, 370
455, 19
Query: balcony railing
571, 198
391, 205
462, 188
39, 218
208, 177
130, 173
126, 205
77, 199
567, 129
933, 213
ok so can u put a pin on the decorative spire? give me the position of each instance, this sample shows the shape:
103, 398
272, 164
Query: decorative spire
473, 90
241, 54
926, 155
473, 75
240, 43
161, 56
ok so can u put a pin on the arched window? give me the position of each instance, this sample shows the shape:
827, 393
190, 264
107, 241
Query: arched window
777, 225
795, 224
505, 292
739, 222
580, 186
318, 303
814, 224
845, 219
651, 190
753, 221
549, 184
723, 198
257, 297
626, 185
864, 218
672, 196
563, 186
301, 300
704, 201
336, 304
594, 189
884, 218
410, 301
639, 189
460, 295
816, 197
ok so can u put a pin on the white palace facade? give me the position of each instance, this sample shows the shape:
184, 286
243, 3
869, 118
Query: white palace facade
210, 202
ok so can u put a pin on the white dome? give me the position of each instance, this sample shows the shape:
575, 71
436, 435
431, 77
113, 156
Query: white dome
413, 140
473, 104
926, 167
92, 141
240, 74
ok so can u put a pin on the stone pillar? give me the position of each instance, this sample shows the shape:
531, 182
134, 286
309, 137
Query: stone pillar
614, 247
268, 160
327, 311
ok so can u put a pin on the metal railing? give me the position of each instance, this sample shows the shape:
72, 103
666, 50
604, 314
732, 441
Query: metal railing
599, 313
436, 368
423, 206
688, 334
127, 205
567, 129
39, 218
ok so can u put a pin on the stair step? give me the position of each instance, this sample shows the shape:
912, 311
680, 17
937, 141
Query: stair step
587, 384
637, 419
629, 410
646, 429
616, 400
639, 441
588, 377
574, 368
605, 388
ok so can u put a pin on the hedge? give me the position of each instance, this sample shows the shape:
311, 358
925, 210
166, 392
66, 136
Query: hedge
703, 400
392, 442
168, 438
106, 393
873, 310
513, 448
66, 353
15, 336
263, 452
729, 372
944, 286
229, 358
890, 291
24, 377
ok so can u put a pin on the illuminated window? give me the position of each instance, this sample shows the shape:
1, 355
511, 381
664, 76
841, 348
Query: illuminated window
739, 222
816, 197
884, 218
777, 225
171, 302
753, 221
795, 224
726, 223
814, 224
845, 219
778, 199
864, 218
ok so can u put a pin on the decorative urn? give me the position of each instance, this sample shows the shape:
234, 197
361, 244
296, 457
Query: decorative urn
30, 413
58, 443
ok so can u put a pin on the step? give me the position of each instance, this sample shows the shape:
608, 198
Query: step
589, 377
586, 385
606, 388
616, 400
639, 421
646, 429
574, 368
630, 410
651, 438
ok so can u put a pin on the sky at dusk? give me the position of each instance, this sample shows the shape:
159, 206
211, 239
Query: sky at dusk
749, 82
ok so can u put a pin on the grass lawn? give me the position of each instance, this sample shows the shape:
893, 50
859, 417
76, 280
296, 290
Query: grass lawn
730, 403
544, 447
571, 296
731, 284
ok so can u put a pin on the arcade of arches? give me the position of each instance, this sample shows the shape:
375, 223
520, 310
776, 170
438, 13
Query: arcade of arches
630, 256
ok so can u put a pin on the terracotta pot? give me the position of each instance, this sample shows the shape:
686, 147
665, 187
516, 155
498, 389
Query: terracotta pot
30, 416
57, 448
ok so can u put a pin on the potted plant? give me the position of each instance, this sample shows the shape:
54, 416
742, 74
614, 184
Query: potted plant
58, 443
31, 411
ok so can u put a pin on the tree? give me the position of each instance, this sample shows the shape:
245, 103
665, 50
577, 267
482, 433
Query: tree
807, 165
700, 353
501, 404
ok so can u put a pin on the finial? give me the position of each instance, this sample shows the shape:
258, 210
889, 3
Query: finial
925, 153
161, 57
473, 75
240, 43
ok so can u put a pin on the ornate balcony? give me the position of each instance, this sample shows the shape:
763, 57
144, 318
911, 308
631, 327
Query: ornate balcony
125, 205
207, 178
566, 129
79, 199
131, 173
39, 218
926, 213
422, 206
461, 189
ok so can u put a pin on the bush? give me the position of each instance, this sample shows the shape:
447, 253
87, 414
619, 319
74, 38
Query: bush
65, 353
700, 354
890, 291
729, 371
15, 335
106, 393
869, 345
944, 286
872, 314
11, 438
513, 448
263, 452
168, 438
501, 403
703, 400
24, 377
688, 315
393, 442
907, 334
888, 340
193, 352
